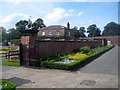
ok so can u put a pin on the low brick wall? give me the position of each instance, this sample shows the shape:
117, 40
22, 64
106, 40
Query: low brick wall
115, 40
44, 48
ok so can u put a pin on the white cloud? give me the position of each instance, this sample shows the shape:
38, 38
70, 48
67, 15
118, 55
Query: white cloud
57, 15
14, 1
80, 13
10, 20
71, 10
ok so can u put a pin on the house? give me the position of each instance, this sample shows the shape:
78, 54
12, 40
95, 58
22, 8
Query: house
56, 30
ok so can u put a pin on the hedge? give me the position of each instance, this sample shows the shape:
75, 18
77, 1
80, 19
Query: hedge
76, 64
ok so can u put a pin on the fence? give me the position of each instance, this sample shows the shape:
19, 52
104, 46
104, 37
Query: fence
12, 53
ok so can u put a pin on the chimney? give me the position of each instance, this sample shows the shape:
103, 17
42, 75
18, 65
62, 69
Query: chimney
68, 25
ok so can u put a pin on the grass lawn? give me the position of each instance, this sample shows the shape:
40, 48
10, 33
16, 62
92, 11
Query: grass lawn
9, 63
7, 85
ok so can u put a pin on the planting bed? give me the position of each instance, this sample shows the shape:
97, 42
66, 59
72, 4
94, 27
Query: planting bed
76, 59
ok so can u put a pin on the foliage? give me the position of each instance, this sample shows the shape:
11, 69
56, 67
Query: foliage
7, 85
80, 32
5, 49
85, 49
76, 56
13, 34
111, 29
52, 63
93, 31
21, 25
38, 24
3, 36
15, 41
12, 62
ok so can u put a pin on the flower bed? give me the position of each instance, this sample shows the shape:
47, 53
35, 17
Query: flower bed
80, 59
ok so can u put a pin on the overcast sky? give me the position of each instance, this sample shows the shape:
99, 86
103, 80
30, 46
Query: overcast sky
77, 12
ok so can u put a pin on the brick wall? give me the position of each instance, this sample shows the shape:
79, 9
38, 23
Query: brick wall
44, 48
115, 40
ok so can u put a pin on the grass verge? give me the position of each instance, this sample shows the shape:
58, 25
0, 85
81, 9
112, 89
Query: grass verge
6, 62
7, 85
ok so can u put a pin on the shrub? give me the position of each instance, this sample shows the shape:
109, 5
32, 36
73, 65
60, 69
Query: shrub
5, 49
77, 56
7, 85
85, 49
79, 60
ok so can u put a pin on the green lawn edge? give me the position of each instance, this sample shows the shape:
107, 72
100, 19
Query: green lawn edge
8, 63
9, 85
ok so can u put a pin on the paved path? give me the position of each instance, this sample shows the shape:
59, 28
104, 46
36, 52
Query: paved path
106, 64
101, 73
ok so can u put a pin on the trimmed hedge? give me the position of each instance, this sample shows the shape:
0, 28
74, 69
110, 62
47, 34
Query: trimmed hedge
7, 85
77, 63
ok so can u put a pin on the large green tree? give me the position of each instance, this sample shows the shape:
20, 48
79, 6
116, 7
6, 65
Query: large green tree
3, 34
82, 32
93, 31
21, 25
75, 28
24, 24
111, 29
13, 34
38, 24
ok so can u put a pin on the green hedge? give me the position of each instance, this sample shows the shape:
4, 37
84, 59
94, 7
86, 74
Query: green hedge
77, 63
7, 85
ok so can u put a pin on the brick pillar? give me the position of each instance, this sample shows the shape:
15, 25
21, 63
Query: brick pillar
28, 41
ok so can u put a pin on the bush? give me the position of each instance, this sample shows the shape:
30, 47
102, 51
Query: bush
5, 49
77, 63
7, 85
85, 49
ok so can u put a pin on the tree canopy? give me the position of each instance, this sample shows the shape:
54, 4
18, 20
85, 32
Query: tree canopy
13, 34
3, 34
111, 29
93, 31
79, 32
38, 24
82, 32
21, 25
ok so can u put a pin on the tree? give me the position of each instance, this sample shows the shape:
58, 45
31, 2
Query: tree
93, 31
38, 24
3, 35
13, 34
111, 29
77, 34
21, 25
82, 31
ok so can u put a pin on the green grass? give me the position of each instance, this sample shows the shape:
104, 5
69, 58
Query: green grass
8, 63
7, 85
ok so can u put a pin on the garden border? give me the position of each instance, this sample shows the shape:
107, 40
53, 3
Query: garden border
73, 67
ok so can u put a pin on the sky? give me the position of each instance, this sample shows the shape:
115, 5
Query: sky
53, 12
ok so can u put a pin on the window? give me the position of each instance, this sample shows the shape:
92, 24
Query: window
43, 33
